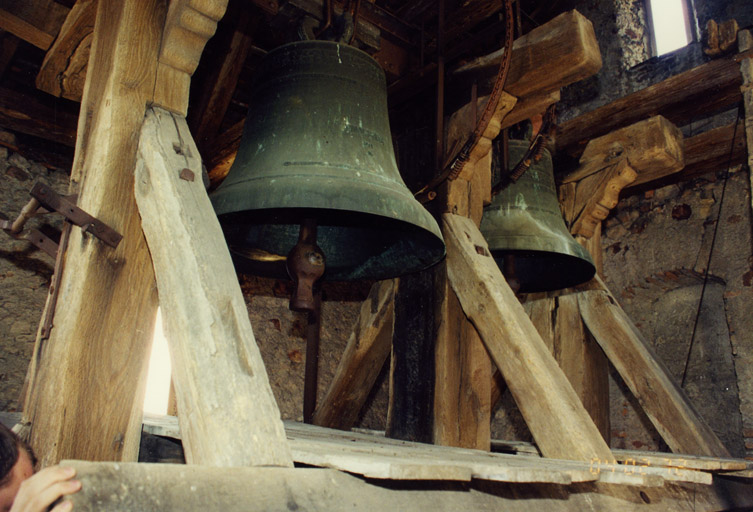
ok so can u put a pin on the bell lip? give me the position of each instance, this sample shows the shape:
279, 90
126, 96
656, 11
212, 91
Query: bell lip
432, 248
579, 269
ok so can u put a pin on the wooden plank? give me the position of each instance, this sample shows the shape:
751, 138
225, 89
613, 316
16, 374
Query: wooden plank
653, 148
190, 488
375, 456
87, 380
665, 404
24, 30
552, 410
364, 356
462, 393
63, 70
205, 318
670, 460
27, 114
707, 88
560, 52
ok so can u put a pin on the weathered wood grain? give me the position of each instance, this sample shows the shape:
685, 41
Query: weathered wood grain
666, 405
364, 356
227, 412
552, 410
87, 380
63, 71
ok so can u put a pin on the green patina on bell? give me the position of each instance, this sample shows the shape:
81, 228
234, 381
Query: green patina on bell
527, 234
317, 145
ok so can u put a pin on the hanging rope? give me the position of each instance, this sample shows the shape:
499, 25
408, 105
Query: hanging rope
711, 252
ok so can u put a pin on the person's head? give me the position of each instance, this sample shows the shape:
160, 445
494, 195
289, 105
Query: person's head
17, 463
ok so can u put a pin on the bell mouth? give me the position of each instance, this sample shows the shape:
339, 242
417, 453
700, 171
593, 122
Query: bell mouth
356, 245
543, 271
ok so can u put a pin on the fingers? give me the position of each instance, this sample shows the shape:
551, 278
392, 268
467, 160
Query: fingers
42, 489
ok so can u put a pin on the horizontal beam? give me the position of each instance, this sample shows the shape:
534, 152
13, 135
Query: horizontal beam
711, 151
132, 486
708, 88
24, 113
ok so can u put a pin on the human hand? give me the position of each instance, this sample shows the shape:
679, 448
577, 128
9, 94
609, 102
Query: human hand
42, 489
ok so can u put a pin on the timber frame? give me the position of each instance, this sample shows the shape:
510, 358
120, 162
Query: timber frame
139, 71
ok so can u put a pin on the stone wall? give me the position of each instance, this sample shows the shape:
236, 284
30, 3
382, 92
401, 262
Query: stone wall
25, 271
657, 245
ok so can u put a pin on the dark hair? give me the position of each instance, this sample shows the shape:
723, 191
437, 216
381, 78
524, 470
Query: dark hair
10, 444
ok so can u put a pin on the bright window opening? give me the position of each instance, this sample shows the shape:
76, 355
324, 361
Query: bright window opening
671, 25
158, 378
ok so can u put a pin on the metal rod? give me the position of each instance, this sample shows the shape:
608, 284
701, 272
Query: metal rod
440, 88
313, 329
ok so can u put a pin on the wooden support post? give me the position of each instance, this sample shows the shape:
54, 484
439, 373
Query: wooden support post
228, 415
86, 382
746, 67
364, 356
666, 405
554, 414
409, 414
462, 394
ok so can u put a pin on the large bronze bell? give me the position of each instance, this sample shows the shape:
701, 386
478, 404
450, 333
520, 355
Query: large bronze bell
317, 147
526, 233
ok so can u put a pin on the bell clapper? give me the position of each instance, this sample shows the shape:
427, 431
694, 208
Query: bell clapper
509, 272
305, 265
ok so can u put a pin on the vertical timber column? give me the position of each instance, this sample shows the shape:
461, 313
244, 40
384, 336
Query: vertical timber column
463, 367
745, 38
86, 388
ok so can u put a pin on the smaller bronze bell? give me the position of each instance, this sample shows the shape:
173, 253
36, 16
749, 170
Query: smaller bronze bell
527, 235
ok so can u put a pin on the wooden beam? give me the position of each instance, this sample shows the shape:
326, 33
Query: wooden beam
24, 30
63, 70
653, 147
231, 419
705, 153
26, 113
560, 52
409, 413
666, 405
188, 27
552, 410
707, 88
462, 393
87, 380
214, 98
177, 487
364, 356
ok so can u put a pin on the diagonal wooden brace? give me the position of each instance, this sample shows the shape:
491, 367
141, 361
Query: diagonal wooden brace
663, 401
555, 415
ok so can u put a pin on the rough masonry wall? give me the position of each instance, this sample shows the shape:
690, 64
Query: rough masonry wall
657, 245
25, 271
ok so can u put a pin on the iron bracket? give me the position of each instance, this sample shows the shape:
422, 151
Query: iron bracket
44, 196
51, 200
